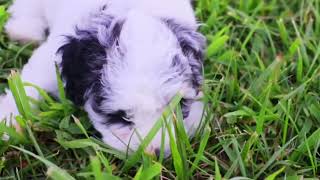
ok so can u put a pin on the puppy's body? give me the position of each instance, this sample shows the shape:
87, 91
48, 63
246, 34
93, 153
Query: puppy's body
123, 60
62, 16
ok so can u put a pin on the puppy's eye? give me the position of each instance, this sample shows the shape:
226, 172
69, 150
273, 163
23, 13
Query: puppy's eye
119, 117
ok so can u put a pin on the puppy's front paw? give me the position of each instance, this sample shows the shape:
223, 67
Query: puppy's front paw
8, 111
8, 115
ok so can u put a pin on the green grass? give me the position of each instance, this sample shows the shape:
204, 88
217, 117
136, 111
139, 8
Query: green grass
262, 92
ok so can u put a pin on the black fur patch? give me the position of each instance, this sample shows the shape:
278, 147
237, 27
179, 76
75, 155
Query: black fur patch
82, 61
84, 56
186, 107
192, 44
115, 32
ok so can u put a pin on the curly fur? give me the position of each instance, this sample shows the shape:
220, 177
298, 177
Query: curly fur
123, 60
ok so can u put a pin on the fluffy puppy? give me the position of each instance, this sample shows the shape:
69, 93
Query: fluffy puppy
123, 60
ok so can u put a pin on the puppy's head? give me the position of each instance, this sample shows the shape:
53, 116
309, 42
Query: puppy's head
126, 71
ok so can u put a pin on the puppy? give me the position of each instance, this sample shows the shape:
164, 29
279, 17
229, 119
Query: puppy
123, 60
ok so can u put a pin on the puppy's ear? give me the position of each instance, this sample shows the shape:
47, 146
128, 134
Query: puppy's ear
84, 55
82, 61
193, 45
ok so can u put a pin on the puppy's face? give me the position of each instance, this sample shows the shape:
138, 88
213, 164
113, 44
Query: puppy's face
126, 71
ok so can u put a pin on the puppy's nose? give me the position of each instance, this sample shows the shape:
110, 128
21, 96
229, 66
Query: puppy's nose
157, 152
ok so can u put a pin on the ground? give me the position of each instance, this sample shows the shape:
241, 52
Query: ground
262, 91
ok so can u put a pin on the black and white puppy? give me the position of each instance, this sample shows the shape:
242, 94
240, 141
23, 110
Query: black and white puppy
123, 60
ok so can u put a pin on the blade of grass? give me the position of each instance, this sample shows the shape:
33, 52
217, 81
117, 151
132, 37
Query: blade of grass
148, 173
203, 144
55, 171
96, 168
275, 174
19, 94
217, 170
310, 142
273, 158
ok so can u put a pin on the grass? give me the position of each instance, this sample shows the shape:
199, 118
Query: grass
262, 92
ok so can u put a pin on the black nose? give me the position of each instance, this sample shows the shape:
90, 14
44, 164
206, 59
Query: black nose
157, 152
166, 152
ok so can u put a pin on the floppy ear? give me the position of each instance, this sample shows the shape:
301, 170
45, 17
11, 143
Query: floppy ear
84, 55
193, 45
82, 61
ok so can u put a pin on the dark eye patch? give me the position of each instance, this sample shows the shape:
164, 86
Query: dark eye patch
118, 117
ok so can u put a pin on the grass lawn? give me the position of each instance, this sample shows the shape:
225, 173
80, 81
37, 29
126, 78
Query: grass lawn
262, 91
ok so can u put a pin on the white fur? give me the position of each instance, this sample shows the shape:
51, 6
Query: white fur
136, 82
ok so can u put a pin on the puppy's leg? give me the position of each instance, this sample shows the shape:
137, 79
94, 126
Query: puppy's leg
27, 21
40, 70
